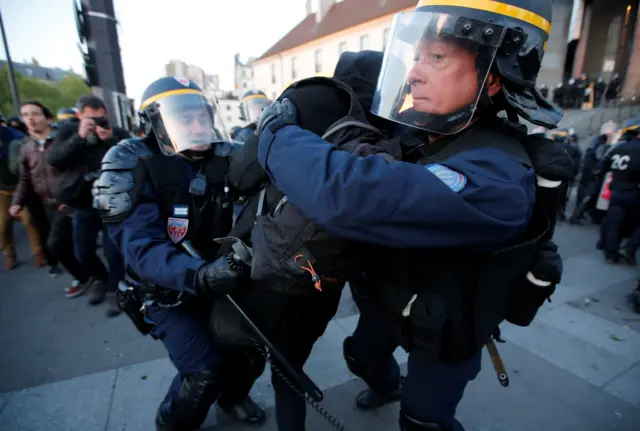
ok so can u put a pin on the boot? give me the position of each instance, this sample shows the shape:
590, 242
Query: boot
112, 305
247, 411
97, 292
39, 261
9, 262
370, 400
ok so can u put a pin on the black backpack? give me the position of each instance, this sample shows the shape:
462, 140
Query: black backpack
292, 254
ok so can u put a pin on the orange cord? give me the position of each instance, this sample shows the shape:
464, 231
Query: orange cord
317, 281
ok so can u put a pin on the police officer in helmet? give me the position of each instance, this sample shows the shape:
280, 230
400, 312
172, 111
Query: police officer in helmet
252, 104
623, 161
460, 224
66, 115
158, 194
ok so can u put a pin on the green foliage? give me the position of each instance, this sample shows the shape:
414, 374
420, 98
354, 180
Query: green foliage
54, 95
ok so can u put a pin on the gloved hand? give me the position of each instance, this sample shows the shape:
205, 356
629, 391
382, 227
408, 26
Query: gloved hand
278, 114
218, 278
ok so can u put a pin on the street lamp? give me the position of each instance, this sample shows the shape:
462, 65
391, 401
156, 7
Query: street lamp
12, 76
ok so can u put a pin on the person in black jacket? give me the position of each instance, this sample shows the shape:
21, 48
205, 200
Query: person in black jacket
77, 153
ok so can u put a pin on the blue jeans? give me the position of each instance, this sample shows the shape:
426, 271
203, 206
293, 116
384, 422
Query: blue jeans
86, 225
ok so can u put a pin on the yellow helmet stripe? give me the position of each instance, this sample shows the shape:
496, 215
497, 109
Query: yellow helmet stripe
254, 96
495, 7
66, 116
164, 94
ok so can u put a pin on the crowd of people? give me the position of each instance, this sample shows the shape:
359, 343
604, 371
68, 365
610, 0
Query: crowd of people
574, 92
47, 169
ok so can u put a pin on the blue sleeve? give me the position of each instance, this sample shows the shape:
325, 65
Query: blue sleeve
143, 241
489, 199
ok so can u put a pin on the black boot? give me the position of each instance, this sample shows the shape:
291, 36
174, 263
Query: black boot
371, 400
247, 411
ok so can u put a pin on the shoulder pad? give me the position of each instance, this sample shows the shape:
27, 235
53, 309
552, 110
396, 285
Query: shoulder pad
125, 155
114, 191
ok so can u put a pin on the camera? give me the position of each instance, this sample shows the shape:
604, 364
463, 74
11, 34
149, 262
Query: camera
101, 122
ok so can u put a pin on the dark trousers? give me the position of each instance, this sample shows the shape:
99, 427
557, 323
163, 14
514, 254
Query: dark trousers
622, 206
431, 390
60, 241
86, 226
301, 321
184, 331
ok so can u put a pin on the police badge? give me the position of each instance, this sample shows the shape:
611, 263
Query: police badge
177, 228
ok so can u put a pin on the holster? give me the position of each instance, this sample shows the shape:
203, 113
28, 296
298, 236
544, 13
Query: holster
129, 301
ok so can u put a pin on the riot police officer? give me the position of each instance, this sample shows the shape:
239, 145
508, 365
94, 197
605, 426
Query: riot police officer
474, 192
252, 104
66, 115
590, 177
156, 194
623, 161
567, 138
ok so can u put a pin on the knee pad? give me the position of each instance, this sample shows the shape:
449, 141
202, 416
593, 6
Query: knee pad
191, 405
408, 423
356, 367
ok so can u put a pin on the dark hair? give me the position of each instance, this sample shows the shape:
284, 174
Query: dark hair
91, 101
44, 109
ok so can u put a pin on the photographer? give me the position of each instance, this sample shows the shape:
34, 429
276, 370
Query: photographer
77, 154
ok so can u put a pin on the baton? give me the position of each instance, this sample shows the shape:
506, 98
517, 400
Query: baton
300, 378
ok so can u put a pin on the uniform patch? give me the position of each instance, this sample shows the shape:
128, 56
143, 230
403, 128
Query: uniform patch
182, 80
180, 211
452, 179
177, 228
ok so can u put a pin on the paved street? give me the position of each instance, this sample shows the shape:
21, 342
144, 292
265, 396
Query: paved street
65, 366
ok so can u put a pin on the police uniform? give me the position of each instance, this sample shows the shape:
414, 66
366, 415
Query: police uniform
623, 161
158, 195
449, 224
568, 139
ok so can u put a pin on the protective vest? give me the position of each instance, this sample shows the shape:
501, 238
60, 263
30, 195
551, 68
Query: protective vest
198, 219
450, 301
624, 164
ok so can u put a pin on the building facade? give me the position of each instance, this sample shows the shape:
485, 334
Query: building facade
229, 106
242, 76
591, 36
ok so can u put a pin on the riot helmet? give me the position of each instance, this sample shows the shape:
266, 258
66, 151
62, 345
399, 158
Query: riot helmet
448, 50
184, 122
560, 135
608, 129
66, 114
252, 104
629, 130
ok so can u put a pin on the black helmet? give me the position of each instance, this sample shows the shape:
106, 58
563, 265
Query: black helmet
177, 113
252, 104
507, 38
65, 114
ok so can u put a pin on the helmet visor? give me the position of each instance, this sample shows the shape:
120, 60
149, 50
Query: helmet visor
253, 107
187, 122
434, 70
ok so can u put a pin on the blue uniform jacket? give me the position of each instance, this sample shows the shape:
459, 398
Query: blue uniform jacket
479, 198
143, 241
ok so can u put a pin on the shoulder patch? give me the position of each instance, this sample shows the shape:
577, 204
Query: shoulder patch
452, 179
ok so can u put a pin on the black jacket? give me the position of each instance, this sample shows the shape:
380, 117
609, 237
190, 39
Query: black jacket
78, 161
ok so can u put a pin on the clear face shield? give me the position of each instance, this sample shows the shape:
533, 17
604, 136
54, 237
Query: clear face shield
187, 124
434, 70
253, 107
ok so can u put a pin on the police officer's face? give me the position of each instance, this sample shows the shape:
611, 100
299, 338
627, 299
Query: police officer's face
444, 78
193, 126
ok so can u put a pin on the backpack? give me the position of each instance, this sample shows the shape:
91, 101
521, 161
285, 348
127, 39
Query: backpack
291, 253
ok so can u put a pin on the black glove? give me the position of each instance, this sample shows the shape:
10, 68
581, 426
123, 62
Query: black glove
218, 277
547, 264
278, 114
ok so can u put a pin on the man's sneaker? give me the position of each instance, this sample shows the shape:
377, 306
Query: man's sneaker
76, 289
55, 271
97, 292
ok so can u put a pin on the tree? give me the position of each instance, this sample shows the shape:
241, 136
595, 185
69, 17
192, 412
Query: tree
54, 95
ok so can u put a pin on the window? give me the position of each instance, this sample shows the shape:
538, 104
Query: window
274, 96
364, 42
273, 73
244, 85
229, 119
228, 107
385, 38
294, 72
342, 47
318, 60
